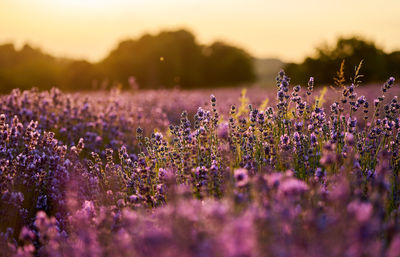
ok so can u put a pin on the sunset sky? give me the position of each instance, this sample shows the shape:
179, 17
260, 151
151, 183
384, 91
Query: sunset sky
287, 29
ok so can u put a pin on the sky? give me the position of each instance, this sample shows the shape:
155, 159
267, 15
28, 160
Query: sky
286, 29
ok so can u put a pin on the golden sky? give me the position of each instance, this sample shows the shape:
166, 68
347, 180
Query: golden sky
288, 29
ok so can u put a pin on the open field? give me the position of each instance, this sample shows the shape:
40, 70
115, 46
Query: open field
264, 172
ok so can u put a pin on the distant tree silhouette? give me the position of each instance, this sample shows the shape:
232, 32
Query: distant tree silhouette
175, 58
26, 68
376, 65
227, 65
393, 64
78, 75
164, 60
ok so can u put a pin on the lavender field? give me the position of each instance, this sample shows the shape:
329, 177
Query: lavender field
290, 171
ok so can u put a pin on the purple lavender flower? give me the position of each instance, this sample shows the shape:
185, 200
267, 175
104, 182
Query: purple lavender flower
241, 177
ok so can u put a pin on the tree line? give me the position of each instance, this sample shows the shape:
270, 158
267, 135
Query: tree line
377, 64
164, 60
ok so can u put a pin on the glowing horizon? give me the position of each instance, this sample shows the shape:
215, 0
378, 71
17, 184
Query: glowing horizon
286, 29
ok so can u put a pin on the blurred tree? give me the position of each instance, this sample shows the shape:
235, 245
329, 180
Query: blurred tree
78, 75
393, 64
327, 61
174, 58
227, 65
163, 60
26, 68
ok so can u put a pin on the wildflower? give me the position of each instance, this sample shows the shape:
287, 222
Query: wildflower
133, 199
223, 130
26, 234
362, 211
88, 209
139, 130
313, 139
328, 155
200, 114
319, 173
327, 159
349, 139
361, 100
120, 203
310, 85
296, 137
298, 125
42, 202
292, 186
213, 99
158, 136
280, 95
388, 84
233, 109
241, 177
285, 140
352, 123
284, 83
335, 107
